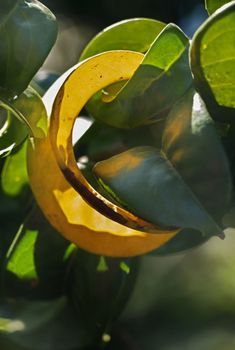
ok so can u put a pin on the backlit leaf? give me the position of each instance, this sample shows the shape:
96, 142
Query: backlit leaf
213, 58
133, 34
14, 174
213, 5
162, 77
31, 266
22, 261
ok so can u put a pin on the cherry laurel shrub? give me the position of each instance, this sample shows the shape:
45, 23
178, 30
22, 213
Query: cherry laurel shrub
147, 169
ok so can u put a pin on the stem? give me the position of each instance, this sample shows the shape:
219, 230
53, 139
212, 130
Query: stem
108, 326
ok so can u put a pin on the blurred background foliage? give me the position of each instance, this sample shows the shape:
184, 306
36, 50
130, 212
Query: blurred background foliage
183, 301
80, 20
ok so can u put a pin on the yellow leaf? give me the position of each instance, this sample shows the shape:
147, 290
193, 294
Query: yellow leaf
70, 204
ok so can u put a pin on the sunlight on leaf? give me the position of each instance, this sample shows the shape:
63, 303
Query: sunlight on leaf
14, 174
21, 262
213, 5
124, 267
60, 202
171, 187
213, 57
162, 77
102, 265
24, 115
135, 34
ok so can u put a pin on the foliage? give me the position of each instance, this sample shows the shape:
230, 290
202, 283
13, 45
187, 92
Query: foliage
153, 174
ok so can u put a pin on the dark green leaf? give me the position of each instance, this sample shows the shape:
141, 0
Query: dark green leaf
42, 325
27, 33
184, 240
133, 34
101, 294
187, 184
161, 79
213, 5
102, 141
213, 59
36, 263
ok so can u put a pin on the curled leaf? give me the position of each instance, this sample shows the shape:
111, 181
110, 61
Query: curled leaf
136, 34
64, 206
162, 77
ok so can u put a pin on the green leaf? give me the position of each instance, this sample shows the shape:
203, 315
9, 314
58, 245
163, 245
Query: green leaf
27, 33
213, 5
187, 184
23, 115
102, 265
35, 260
161, 79
14, 174
12, 133
102, 141
213, 59
15, 195
22, 260
100, 297
135, 34
124, 267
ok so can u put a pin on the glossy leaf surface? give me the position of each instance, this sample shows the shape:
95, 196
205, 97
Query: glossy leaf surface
162, 77
24, 115
213, 5
133, 34
187, 184
90, 230
213, 58
27, 32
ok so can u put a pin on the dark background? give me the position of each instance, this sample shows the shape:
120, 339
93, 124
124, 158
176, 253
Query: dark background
105, 12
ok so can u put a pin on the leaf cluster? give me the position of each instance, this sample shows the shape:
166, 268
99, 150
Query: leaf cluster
160, 147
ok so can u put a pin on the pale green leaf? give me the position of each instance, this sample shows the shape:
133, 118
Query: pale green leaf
22, 262
14, 173
213, 58
135, 34
213, 5
161, 79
